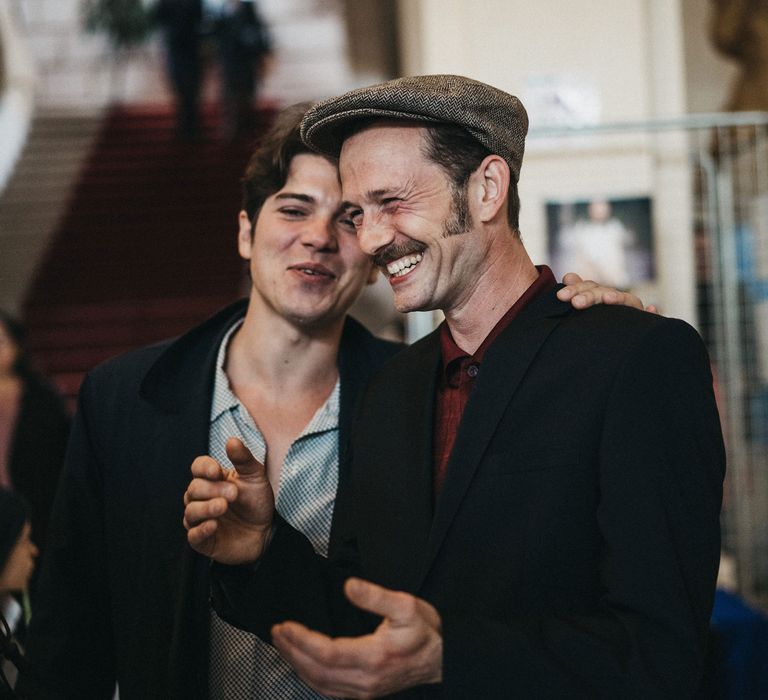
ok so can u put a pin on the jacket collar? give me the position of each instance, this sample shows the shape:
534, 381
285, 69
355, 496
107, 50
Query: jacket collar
182, 372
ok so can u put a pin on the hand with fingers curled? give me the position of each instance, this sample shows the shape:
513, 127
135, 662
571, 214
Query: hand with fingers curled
405, 650
228, 513
585, 293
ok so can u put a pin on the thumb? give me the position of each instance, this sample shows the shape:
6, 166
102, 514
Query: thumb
394, 605
242, 460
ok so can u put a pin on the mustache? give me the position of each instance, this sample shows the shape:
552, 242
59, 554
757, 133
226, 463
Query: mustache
395, 251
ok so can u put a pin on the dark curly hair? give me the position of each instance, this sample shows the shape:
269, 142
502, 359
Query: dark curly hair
268, 167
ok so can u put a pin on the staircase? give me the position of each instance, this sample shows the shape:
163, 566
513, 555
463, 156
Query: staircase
38, 192
146, 247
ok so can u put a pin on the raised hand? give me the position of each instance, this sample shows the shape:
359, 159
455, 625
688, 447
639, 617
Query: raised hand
228, 513
405, 650
585, 293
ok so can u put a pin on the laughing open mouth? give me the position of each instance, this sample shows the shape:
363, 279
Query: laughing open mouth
398, 268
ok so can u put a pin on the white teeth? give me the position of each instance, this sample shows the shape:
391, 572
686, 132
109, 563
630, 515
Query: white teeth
400, 267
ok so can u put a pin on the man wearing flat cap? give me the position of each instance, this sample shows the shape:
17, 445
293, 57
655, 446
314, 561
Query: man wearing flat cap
531, 494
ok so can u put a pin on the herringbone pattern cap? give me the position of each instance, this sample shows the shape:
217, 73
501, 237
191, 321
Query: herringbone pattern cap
495, 118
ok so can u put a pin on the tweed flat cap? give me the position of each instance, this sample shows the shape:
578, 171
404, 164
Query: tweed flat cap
496, 119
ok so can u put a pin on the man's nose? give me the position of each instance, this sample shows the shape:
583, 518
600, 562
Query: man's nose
320, 235
374, 234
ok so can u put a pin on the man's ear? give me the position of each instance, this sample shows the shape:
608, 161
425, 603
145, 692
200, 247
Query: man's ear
244, 235
489, 185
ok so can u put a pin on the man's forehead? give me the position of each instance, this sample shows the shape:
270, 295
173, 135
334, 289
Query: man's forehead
372, 174
391, 141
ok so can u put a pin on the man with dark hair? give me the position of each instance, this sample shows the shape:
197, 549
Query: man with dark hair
518, 518
123, 599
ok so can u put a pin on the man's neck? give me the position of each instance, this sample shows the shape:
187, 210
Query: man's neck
282, 374
280, 356
505, 280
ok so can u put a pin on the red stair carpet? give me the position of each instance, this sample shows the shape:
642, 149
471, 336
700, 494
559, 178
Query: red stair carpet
147, 247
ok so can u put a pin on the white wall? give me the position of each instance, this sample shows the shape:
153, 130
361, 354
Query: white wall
505, 42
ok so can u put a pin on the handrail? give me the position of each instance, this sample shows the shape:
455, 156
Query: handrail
17, 97
708, 120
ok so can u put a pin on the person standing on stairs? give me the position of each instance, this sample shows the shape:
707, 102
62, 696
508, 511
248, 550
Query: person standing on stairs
124, 598
180, 23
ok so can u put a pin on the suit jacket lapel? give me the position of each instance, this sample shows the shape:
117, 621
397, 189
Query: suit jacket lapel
504, 366
414, 480
392, 474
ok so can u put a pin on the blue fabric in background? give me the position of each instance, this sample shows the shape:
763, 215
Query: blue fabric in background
740, 649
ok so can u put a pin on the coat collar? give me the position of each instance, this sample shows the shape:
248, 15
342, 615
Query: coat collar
182, 373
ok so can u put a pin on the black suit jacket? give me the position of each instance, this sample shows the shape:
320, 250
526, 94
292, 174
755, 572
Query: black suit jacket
122, 595
574, 548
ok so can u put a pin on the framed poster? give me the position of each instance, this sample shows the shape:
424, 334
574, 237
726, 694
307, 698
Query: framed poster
607, 240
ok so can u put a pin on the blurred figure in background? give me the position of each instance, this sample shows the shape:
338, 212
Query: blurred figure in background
180, 21
739, 30
34, 427
243, 44
17, 561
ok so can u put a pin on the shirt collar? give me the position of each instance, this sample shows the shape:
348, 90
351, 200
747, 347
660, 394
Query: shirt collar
224, 398
452, 352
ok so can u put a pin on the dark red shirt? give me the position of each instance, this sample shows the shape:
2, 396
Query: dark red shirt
459, 370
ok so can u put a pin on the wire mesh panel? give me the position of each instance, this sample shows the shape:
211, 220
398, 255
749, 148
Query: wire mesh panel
708, 178
731, 236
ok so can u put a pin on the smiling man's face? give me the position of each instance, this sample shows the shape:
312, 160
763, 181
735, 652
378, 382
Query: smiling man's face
306, 265
404, 208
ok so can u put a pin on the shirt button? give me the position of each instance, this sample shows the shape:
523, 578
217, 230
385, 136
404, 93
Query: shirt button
472, 370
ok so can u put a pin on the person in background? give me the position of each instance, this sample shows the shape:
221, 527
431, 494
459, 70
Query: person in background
34, 427
243, 44
124, 599
17, 562
531, 494
180, 23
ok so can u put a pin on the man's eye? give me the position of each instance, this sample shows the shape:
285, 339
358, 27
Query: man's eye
291, 211
354, 217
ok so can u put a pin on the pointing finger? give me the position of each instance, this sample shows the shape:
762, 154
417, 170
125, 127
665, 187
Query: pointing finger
242, 459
